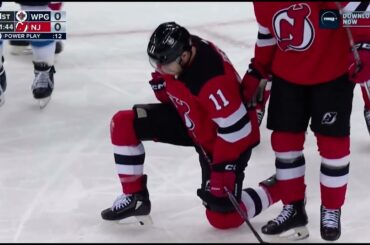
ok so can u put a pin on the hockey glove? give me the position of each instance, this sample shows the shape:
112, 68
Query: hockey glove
214, 196
159, 87
254, 86
363, 74
261, 98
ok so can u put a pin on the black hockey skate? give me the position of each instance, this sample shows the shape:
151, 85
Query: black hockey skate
2, 85
293, 216
43, 84
137, 204
367, 119
330, 224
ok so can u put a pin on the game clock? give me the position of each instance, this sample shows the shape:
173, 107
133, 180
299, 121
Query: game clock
33, 25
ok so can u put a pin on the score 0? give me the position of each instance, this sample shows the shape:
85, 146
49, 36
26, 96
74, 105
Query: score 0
58, 27
58, 15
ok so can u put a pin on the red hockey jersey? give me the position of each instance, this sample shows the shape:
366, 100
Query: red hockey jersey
208, 98
292, 45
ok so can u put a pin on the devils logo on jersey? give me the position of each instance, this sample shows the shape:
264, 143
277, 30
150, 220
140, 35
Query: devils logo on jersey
184, 108
293, 29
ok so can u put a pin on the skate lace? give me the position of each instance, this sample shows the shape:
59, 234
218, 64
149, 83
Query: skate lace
330, 218
121, 202
287, 212
42, 80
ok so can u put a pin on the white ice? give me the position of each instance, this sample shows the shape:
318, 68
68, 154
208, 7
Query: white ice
56, 165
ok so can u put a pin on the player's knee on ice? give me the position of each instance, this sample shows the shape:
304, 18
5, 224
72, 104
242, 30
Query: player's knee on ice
224, 220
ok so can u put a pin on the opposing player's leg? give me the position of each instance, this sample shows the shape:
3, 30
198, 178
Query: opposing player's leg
23, 47
154, 122
331, 111
43, 61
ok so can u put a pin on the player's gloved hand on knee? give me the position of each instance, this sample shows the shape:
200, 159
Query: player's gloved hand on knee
214, 196
361, 74
159, 87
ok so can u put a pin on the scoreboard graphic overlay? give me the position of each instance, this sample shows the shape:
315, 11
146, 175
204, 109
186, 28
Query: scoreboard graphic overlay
33, 25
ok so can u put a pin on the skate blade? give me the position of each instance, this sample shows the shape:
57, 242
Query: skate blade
43, 102
295, 234
21, 50
142, 220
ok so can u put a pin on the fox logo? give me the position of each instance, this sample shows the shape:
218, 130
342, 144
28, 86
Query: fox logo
184, 108
293, 29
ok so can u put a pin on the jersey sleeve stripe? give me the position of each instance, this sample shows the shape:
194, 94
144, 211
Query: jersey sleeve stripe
238, 135
266, 42
264, 36
263, 30
224, 122
235, 127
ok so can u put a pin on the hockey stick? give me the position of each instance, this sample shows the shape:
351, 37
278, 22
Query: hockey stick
351, 43
243, 214
230, 196
354, 50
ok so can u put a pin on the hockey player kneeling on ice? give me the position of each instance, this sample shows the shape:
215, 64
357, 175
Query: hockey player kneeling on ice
201, 107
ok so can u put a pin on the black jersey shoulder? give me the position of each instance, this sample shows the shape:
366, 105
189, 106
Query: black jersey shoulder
207, 64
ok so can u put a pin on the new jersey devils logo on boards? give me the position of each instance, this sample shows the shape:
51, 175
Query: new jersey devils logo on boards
184, 108
293, 29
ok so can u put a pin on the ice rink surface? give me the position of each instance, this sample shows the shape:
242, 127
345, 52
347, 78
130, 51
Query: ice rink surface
57, 167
